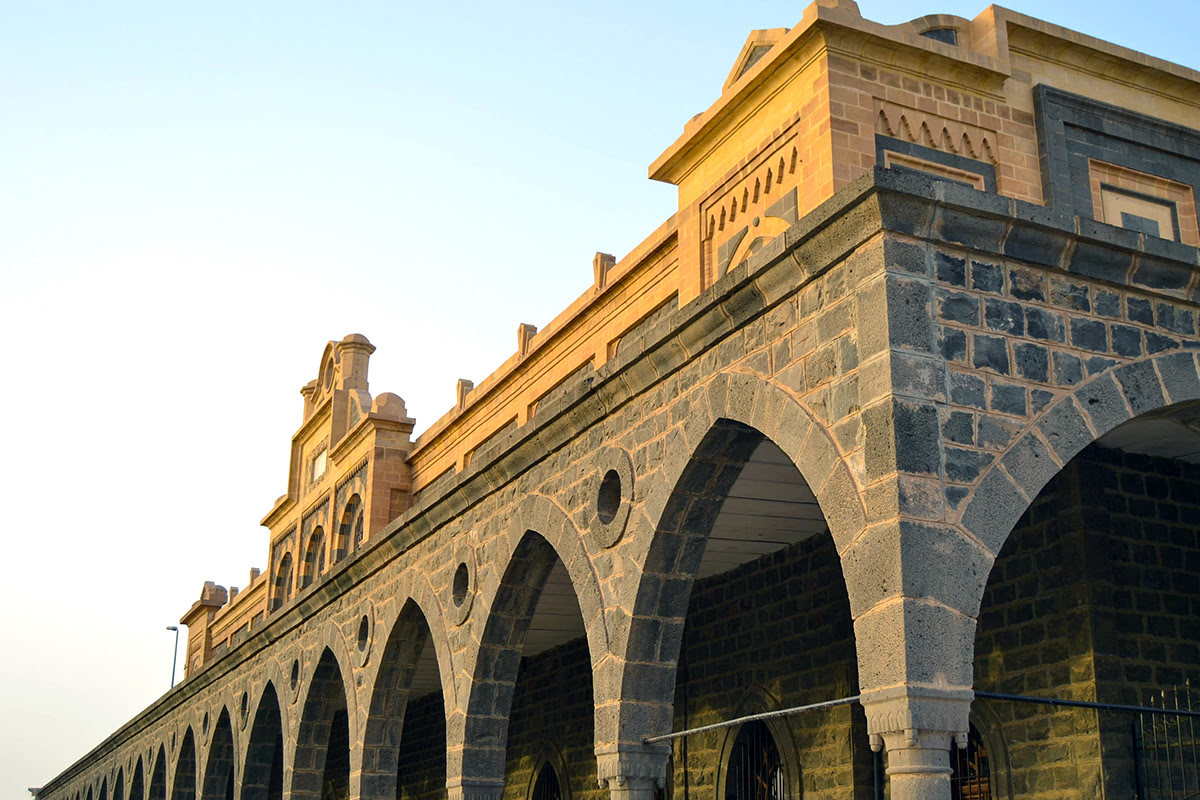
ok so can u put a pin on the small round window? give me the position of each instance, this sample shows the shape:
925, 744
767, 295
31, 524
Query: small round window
462, 582
609, 500
327, 378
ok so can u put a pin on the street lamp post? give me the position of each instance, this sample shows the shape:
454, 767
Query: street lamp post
174, 653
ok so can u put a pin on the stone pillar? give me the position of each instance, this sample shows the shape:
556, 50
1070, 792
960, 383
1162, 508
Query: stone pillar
916, 725
633, 774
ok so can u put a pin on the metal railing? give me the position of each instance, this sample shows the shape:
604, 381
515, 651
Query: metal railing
1165, 738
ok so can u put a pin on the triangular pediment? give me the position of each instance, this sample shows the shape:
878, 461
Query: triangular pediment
757, 45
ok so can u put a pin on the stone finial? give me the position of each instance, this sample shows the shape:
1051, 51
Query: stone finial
309, 391
254, 573
389, 405
462, 390
525, 334
355, 351
601, 264
213, 595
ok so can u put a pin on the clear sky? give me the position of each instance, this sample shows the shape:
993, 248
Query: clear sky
195, 197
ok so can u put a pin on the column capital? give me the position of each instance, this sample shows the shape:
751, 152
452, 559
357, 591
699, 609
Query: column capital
912, 713
474, 789
631, 772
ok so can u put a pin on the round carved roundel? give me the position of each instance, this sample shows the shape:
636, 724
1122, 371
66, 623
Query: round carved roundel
462, 586
611, 497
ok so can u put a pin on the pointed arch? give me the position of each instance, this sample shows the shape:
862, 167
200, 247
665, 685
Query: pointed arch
321, 764
1065, 428
103, 788
730, 417
263, 765
540, 536
119, 785
137, 782
419, 625
282, 585
158, 776
349, 530
778, 732
219, 775
183, 787
314, 557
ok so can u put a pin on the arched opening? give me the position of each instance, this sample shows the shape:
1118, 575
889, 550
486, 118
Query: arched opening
283, 582
314, 557
1093, 597
104, 789
349, 530
971, 769
136, 782
219, 771
547, 786
184, 785
744, 609
532, 684
119, 785
322, 761
158, 776
262, 774
754, 769
404, 749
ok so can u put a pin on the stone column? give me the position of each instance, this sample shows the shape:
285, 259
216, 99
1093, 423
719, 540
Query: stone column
916, 726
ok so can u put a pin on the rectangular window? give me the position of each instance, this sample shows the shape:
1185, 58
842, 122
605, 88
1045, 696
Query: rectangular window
318, 465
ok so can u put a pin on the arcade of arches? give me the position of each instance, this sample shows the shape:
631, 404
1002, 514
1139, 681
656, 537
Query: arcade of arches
910, 441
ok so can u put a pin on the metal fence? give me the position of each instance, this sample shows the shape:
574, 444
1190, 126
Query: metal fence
1167, 748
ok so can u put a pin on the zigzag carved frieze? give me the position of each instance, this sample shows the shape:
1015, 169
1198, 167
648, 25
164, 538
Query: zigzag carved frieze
935, 132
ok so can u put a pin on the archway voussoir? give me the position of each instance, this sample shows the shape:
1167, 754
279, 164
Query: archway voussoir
841, 502
717, 391
1030, 464
1066, 429
743, 393
1104, 403
994, 509
1141, 385
1180, 376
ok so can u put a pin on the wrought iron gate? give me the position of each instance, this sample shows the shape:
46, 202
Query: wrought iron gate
1168, 751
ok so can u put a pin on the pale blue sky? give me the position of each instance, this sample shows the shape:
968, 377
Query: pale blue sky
197, 197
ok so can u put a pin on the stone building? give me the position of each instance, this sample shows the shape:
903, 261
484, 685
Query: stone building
900, 406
